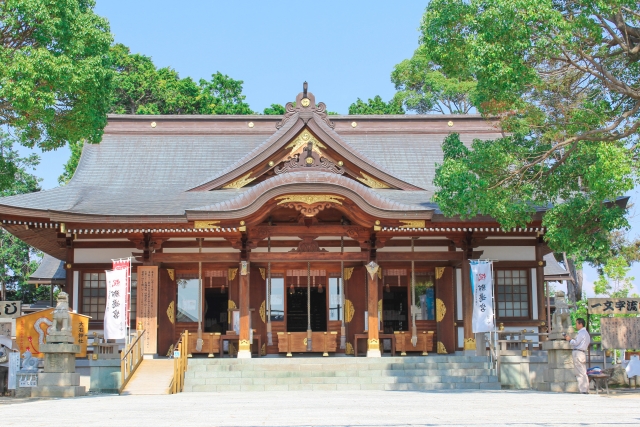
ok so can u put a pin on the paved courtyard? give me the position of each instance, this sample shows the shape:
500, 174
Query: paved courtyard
363, 408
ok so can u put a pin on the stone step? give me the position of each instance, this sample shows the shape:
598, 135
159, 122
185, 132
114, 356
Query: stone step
348, 386
343, 380
337, 373
337, 360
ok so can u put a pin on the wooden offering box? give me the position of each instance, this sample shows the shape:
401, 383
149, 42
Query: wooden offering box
211, 343
424, 344
296, 342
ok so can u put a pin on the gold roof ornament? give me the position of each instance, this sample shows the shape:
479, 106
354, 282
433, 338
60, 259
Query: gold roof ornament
302, 140
412, 223
202, 225
240, 182
309, 199
371, 182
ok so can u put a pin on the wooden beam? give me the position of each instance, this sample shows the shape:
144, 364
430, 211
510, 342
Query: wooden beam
196, 257
307, 256
418, 256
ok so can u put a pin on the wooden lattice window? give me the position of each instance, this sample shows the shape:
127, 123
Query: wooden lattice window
513, 288
94, 291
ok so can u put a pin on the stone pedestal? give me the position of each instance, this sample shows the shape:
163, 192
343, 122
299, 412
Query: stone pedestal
559, 375
59, 378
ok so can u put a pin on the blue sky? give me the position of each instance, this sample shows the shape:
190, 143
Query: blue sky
344, 49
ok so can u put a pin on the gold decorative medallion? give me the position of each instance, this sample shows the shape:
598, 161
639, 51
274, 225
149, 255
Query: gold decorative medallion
251, 124
354, 124
348, 272
263, 273
171, 312
309, 199
441, 310
302, 140
349, 311
172, 273
439, 272
441, 348
412, 223
371, 182
469, 343
349, 349
232, 305
231, 273
305, 102
153, 124
449, 123
201, 225
240, 182
263, 312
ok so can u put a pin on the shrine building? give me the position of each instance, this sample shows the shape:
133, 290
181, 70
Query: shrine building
282, 235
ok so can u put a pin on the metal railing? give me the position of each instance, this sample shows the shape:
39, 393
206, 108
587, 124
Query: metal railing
131, 358
179, 364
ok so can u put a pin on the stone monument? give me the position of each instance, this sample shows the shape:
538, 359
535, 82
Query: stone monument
559, 375
59, 378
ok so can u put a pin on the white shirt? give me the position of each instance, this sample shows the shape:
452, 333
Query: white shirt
581, 341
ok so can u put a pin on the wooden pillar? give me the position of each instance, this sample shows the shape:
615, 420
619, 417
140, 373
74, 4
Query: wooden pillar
467, 302
244, 347
445, 310
373, 338
540, 283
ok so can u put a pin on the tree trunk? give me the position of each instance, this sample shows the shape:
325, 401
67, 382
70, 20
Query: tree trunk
574, 289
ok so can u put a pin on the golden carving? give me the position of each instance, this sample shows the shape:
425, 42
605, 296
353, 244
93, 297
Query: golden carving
349, 349
303, 139
439, 272
232, 349
263, 273
170, 351
240, 182
244, 345
171, 312
371, 182
348, 272
308, 199
263, 350
172, 273
305, 341
373, 344
380, 309
263, 312
305, 102
441, 310
349, 311
380, 274
201, 225
232, 305
231, 274
412, 223
469, 343
441, 348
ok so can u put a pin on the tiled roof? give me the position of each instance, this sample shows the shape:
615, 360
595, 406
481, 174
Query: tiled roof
50, 270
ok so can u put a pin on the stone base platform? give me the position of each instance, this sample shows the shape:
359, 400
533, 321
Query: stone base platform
58, 391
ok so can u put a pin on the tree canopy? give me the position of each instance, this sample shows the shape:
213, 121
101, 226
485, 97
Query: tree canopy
561, 78
54, 74
376, 106
422, 87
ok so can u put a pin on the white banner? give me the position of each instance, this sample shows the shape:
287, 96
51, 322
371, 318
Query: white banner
482, 290
115, 312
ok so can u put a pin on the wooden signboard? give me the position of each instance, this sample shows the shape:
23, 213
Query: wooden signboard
620, 332
31, 331
10, 309
614, 306
147, 307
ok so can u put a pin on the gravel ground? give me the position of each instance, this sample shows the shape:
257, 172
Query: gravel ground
363, 408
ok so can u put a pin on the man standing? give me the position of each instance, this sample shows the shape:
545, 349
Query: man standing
580, 345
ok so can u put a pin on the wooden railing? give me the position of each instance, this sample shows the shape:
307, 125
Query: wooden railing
131, 358
179, 363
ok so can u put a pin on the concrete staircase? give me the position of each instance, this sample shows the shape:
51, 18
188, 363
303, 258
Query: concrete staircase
437, 372
153, 376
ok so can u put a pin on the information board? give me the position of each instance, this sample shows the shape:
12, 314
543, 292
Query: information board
147, 307
620, 332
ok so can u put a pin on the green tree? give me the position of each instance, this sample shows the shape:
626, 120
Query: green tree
613, 280
17, 259
55, 78
561, 78
274, 110
422, 87
72, 164
376, 106
223, 95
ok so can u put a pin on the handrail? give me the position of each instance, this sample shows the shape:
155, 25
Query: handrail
179, 364
131, 359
